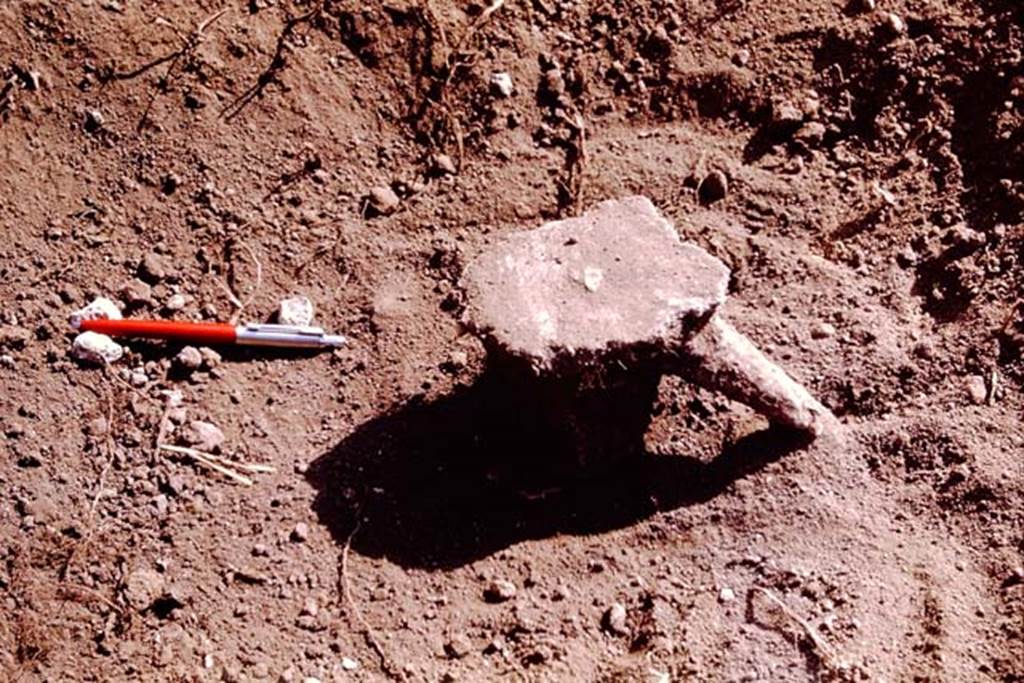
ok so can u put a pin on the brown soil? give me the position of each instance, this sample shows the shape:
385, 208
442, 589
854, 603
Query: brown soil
875, 183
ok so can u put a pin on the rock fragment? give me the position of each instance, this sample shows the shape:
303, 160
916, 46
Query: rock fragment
295, 310
713, 187
203, 436
977, 392
300, 533
93, 121
137, 293
153, 268
101, 308
382, 200
92, 347
894, 24
822, 330
786, 115
143, 587
500, 591
501, 84
614, 620
442, 164
726, 594
189, 359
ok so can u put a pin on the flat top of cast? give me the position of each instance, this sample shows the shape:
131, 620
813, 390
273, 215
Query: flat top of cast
616, 276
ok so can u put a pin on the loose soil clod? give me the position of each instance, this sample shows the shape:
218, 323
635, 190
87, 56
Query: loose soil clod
617, 286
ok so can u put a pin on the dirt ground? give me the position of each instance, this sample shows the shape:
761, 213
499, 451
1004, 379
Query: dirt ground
156, 152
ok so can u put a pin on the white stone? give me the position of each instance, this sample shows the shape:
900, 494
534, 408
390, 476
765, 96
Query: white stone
895, 24
349, 664
93, 347
189, 358
101, 308
501, 83
175, 302
726, 595
295, 310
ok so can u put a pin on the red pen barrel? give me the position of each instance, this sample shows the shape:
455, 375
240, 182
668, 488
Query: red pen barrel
197, 333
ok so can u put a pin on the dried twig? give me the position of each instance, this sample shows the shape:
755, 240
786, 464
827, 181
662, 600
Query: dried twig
238, 303
456, 58
571, 188
825, 651
206, 460
480, 21
368, 633
277, 63
188, 45
100, 483
236, 464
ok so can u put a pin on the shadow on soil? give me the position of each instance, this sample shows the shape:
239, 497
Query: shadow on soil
444, 483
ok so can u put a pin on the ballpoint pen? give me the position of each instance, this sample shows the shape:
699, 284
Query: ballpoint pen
207, 333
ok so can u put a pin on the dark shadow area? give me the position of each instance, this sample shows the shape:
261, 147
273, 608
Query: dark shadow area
444, 483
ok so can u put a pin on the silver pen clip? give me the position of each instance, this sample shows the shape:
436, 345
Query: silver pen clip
286, 336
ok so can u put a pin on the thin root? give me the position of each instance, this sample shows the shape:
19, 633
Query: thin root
368, 632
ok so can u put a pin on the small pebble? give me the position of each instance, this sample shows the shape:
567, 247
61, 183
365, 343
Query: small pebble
501, 84
458, 647
726, 595
211, 358
295, 310
442, 164
189, 359
153, 268
310, 607
203, 436
175, 302
500, 591
300, 534
137, 293
349, 664
713, 187
383, 200
822, 331
92, 347
977, 392
894, 24
142, 587
614, 620
741, 57
93, 120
